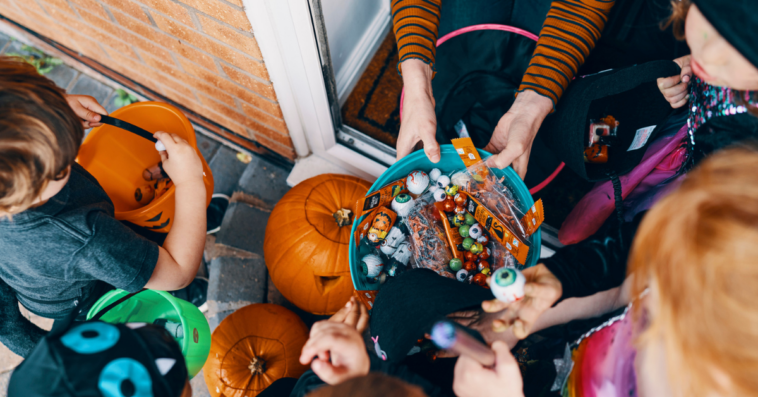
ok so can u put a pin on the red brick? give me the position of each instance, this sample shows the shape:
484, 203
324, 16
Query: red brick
237, 2
285, 151
223, 109
130, 8
27, 6
91, 6
60, 4
170, 9
265, 118
244, 80
85, 27
261, 129
210, 46
183, 98
153, 35
230, 36
222, 12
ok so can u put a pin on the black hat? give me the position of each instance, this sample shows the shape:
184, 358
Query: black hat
408, 305
97, 359
631, 96
737, 21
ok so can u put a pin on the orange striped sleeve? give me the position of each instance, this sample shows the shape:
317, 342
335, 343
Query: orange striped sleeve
416, 23
568, 35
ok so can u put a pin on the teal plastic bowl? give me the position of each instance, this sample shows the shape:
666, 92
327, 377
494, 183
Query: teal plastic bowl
449, 162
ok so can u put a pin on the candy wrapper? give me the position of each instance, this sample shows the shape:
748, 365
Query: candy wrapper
427, 237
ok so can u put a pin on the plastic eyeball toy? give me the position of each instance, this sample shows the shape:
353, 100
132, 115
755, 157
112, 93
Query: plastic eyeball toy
451, 190
508, 285
443, 181
455, 264
462, 275
470, 220
435, 174
402, 204
475, 231
371, 265
439, 195
463, 230
467, 243
417, 182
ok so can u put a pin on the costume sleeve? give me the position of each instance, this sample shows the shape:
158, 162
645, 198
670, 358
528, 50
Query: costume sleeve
568, 35
596, 264
416, 23
17, 333
117, 255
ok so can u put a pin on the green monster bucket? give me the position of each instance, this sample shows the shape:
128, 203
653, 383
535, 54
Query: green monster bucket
181, 318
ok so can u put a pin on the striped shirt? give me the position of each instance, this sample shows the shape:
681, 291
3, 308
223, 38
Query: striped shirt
568, 36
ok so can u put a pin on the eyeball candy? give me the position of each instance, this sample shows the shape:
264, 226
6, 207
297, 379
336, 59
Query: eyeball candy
475, 231
462, 275
371, 265
467, 243
455, 264
417, 182
451, 190
477, 248
435, 174
508, 285
443, 181
439, 195
159, 146
463, 230
402, 204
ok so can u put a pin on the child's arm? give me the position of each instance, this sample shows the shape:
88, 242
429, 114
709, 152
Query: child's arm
181, 254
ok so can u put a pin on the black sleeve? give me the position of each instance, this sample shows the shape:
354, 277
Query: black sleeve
310, 381
596, 264
17, 333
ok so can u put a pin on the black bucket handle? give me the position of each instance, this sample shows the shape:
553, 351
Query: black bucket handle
128, 127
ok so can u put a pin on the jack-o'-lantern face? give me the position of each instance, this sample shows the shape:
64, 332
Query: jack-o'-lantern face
382, 222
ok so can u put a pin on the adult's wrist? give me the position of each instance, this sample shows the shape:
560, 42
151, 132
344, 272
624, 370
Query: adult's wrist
417, 74
534, 103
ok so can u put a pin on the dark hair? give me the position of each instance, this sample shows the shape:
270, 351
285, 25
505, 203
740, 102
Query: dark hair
40, 134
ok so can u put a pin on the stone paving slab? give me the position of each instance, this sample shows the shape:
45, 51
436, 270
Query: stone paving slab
199, 389
244, 227
207, 146
63, 76
264, 180
3, 41
86, 85
237, 280
227, 170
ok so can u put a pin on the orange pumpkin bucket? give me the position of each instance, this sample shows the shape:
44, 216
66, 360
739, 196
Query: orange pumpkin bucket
117, 158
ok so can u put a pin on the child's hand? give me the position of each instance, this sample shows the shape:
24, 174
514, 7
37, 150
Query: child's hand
337, 352
87, 108
676, 88
353, 314
180, 160
541, 291
474, 380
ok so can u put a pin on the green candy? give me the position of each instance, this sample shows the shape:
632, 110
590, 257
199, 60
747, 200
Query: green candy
470, 220
455, 264
463, 230
476, 248
468, 242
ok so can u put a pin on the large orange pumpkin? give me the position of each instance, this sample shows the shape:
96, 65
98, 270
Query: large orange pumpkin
306, 248
252, 348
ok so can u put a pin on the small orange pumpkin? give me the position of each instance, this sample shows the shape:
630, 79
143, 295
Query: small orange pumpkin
306, 244
252, 348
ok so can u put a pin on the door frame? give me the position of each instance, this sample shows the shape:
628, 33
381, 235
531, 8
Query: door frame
287, 38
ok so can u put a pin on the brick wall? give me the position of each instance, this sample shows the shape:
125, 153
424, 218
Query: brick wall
200, 53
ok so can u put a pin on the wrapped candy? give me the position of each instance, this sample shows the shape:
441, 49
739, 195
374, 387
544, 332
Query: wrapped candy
508, 285
451, 190
456, 264
435, 174
383, 221
463, 230
443, 181
460, 178
417, 182
439, 195
475, 231
390, 243
402, 204
371, 265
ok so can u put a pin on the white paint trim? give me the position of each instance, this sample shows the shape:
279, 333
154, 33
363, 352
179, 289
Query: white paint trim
261, 19
358, 62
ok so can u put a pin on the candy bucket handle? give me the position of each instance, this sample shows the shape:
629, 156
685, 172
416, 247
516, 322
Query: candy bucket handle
128, 127
116, 303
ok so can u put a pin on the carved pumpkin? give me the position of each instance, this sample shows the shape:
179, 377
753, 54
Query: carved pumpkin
306, 245
252, 348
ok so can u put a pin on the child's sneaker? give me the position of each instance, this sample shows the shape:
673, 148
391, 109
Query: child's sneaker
196, 293
216, 211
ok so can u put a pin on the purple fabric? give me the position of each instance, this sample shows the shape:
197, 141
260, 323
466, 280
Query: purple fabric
643, 186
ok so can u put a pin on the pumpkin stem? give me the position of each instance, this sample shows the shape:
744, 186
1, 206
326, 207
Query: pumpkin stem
257, 366
342, 216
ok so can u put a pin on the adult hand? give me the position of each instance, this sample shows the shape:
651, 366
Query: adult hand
418, 123
353, 314
541, 291
676, 89
180, 160
87, 108
511, 142
337, 352
471, 379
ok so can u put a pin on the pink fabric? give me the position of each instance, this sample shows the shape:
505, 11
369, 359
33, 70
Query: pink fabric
662, 160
